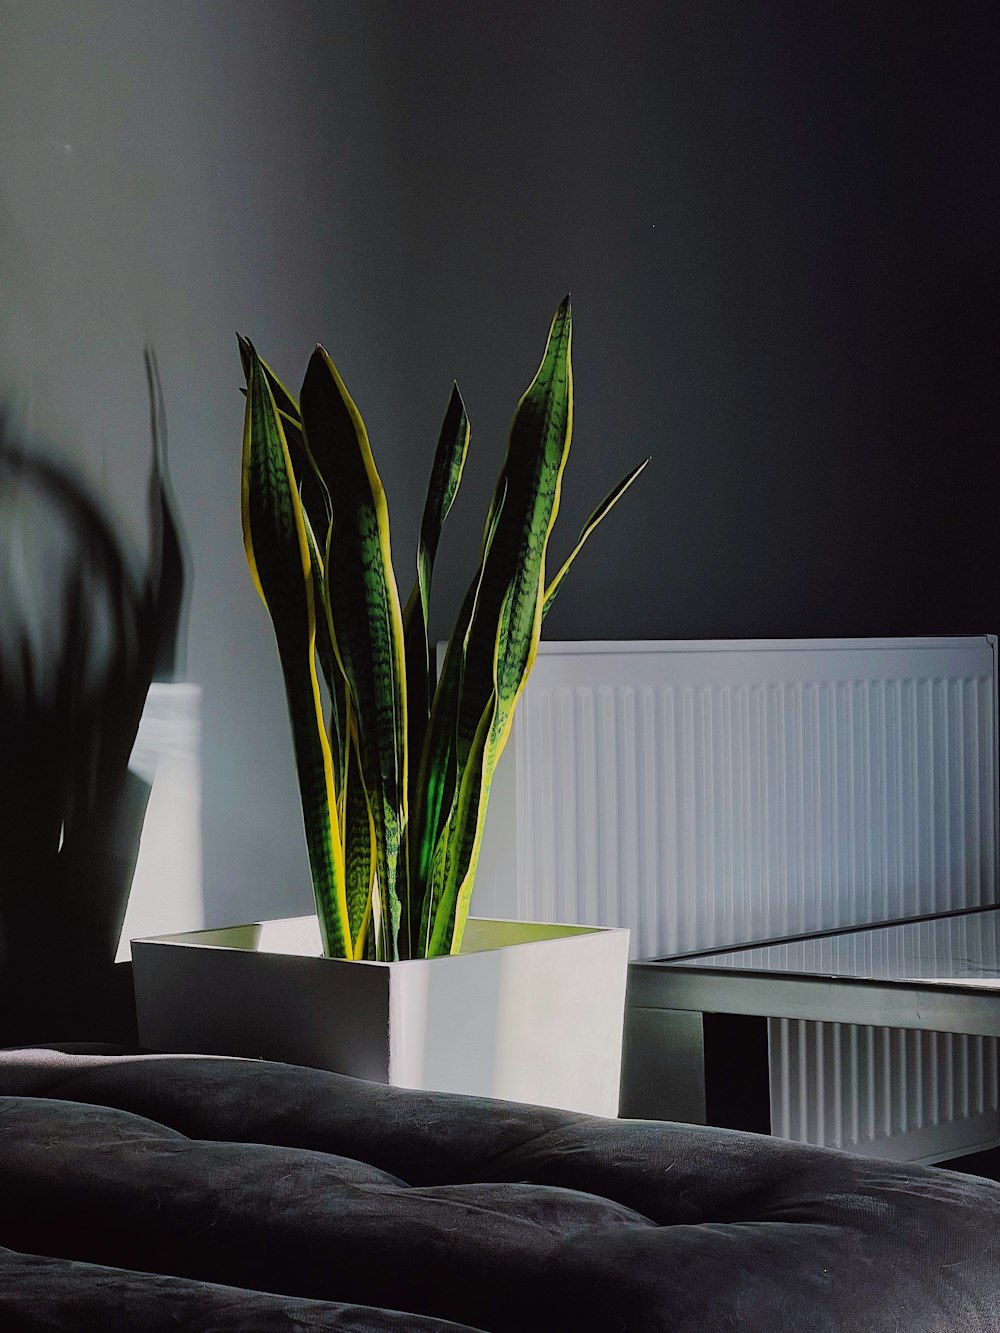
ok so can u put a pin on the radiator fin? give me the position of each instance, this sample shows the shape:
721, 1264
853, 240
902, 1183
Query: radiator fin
933, 1089
702, 816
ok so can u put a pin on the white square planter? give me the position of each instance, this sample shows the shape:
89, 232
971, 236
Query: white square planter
527, 1012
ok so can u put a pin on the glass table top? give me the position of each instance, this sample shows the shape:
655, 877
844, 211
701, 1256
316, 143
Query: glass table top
952, 950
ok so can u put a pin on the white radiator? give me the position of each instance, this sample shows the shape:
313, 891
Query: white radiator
729, 792
878, 1090
885, 1092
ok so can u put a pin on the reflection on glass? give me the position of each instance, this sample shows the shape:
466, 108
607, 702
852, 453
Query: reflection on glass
957, 949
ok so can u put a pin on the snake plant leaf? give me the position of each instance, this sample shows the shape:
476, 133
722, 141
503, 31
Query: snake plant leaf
315, 501
505, 596
502, 639
333, 674
536, 458
455, 871
458, 850
537, 449
278, 554
359, 849
446, 474
595, 519
312, 492
437, 794
316, 516
366, 617
287, 407
283, 400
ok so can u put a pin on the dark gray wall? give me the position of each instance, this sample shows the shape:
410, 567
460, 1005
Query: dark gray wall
778, 222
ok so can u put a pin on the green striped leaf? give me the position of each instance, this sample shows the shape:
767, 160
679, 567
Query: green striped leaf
438, 795
366, 619
316, 517
446, 474
458, 853
336, 683
537, 449
312, 492
278, 554
283, 400
595, 519
506, 597
455, 869
359, 850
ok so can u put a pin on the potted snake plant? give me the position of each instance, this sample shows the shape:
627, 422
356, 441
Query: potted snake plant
392, 979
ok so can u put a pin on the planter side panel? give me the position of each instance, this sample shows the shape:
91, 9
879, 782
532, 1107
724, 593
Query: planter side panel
539, 1023
307, 1011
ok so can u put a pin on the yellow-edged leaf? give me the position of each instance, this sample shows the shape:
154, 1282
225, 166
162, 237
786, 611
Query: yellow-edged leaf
366, 619
277, 551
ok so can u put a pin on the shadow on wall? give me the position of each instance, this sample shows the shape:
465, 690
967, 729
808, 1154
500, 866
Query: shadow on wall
82, 635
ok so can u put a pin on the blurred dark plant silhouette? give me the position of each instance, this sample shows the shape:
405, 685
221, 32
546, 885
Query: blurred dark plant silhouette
82, 635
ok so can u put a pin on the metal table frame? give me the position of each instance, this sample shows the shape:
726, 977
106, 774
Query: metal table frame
695, 1045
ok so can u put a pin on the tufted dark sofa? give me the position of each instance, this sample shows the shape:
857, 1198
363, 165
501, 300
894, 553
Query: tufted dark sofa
150, 1193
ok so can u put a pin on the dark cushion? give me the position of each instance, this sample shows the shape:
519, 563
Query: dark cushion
148, 1192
